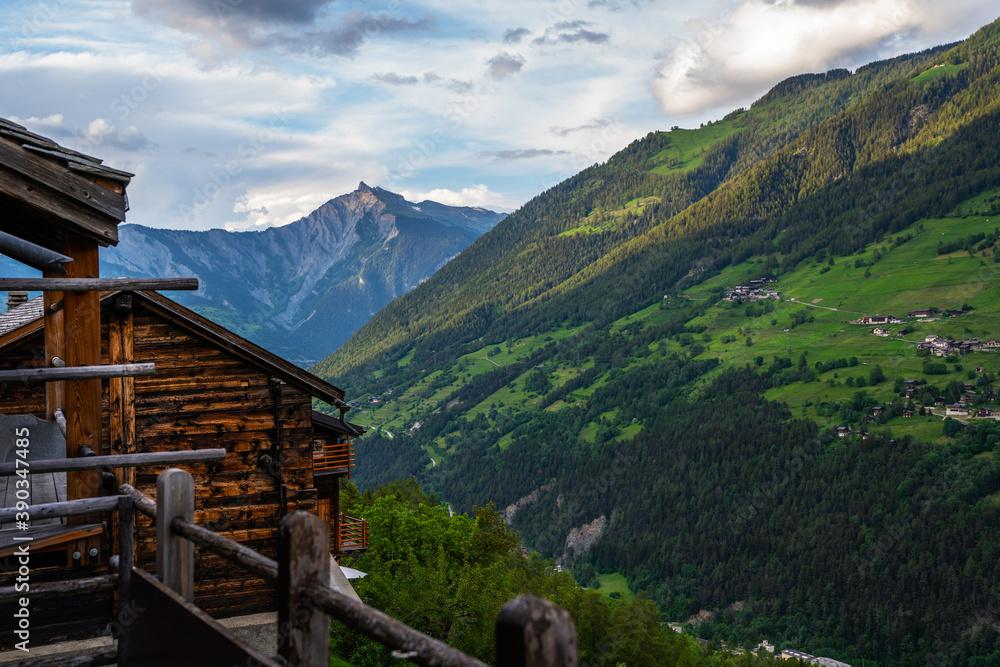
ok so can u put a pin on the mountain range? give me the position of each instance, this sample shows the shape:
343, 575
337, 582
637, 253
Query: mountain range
302, 289
761, 468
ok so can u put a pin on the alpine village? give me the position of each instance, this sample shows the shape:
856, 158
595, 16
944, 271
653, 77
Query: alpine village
729, 397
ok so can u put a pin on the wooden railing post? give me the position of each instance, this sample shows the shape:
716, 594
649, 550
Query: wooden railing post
303, 559
174, 554
126, 535
531, 632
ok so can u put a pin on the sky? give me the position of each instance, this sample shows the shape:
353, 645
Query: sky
246, 114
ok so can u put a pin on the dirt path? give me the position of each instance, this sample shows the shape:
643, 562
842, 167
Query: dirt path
813, 305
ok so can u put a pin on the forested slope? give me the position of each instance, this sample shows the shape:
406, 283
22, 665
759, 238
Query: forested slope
579, 367
530, 252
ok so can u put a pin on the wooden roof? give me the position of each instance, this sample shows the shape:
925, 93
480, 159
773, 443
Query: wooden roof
339, 426
241, 347
17, 317
46, 189
209, 330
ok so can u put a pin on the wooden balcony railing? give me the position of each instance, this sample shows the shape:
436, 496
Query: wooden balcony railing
334, 457
352, 536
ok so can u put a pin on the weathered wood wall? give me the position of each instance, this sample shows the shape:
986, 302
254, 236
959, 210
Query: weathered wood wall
202, 396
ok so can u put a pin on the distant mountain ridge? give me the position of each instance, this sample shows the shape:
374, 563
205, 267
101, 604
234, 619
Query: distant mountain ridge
302, 289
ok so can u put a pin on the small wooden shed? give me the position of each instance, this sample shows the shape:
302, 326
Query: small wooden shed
212, 389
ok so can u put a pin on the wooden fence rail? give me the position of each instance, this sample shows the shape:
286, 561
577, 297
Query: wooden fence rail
118, 461
77, 373
530, 632
122, 581
306, 601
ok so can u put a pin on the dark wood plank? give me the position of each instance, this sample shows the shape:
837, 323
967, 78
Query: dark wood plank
244, 349
48, 205
96, 284
126, 559
69, 187
61, 588
165, 638
43, 491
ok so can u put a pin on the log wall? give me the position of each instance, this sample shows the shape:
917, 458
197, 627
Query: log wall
202, 396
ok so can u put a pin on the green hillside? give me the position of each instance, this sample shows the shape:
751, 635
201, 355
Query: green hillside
580, 364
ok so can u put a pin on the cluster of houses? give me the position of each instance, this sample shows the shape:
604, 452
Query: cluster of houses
927, 312
877, 319
374, 398
792, 654
755, 291
943, 347
963, 408
787, 654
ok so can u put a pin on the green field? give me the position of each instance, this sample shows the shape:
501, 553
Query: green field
938, 72
687, 147
615, 583
600, 220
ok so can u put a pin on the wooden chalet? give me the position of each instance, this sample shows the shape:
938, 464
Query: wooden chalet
211, 389
85, 344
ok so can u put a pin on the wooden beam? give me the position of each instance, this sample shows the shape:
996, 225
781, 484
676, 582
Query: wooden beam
64, 508
121, 391
96, 284
119, 461
82, 329
100, 658
33, 254
42, 204
68, 185
60, 420
386, 630
77, 373
55, 348
58, 589
143, 503
46, 535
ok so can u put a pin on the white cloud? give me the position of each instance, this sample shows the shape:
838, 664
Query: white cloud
220, 110
54, 124
476, 195
763, 41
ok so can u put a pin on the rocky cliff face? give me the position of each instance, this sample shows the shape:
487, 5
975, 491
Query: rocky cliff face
580, 539
303, 289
